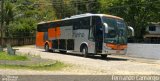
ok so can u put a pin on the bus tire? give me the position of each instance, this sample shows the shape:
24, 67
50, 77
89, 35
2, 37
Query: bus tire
85, 51
53, 51
46, 47
104, 56
62, 51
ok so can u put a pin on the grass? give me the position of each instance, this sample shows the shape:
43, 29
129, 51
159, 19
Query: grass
57, 66
5, 56
40, 66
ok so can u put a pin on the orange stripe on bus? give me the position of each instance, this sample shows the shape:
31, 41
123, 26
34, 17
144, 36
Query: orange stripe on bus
54, 33
116, 46
51, 33
39, 39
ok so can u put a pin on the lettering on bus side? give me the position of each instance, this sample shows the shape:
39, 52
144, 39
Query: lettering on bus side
78, 34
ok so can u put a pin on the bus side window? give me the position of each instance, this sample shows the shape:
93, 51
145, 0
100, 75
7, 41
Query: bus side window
81, 23
76, 24
85, 23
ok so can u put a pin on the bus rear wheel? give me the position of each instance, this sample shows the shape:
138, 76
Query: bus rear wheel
46, 47
85, 51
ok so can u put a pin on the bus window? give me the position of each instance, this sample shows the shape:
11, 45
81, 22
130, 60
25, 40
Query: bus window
42, 27
82, 23
85, 23
116, 31
76, 24
112, 33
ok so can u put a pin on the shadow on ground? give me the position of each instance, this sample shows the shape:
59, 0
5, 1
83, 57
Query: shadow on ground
109, 58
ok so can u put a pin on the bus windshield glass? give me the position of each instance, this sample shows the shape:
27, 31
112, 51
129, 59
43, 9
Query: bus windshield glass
117, 31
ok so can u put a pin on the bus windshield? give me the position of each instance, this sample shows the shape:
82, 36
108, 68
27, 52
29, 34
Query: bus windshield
117, 31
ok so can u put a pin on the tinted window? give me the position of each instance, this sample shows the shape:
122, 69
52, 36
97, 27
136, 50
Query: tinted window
112, 24
81, 23
66, 23
43, 27
116, 31
85, 23
76, 24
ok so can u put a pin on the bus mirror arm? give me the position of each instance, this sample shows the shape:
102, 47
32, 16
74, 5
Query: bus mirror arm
106, 27
132, 30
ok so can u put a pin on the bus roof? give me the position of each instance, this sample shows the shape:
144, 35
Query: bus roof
43, 22
83, 15
113, 16
89, 14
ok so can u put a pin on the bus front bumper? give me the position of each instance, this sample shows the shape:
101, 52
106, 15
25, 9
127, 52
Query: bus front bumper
111, 51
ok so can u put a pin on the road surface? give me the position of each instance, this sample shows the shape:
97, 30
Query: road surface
94, 65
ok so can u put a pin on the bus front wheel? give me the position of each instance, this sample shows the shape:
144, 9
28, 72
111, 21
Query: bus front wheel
85, 51
63, 52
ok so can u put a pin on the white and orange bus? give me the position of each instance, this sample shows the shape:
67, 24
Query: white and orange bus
85, 33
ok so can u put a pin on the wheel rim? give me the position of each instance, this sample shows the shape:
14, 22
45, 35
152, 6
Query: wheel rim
46, 47
84, 51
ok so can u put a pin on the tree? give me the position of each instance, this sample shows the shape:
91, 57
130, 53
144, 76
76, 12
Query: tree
63, 8
137, 13
67, 8
22, 16
7, 16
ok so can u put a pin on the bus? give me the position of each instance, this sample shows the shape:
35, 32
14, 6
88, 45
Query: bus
87, 34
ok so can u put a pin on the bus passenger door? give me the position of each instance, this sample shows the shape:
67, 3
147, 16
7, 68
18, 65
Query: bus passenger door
98, 33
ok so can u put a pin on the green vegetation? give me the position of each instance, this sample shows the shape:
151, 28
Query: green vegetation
5, 56
23, 15
137, 13
56, 66
38, 66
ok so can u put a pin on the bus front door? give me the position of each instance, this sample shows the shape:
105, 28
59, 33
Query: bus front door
98, 39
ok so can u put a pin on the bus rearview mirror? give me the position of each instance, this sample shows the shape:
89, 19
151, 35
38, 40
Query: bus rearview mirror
106, 27
131, 33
